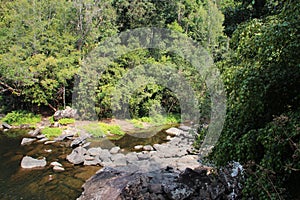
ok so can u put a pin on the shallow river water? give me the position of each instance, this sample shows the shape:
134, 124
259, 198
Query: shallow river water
18, 183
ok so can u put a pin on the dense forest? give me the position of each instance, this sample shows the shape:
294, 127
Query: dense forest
254, 43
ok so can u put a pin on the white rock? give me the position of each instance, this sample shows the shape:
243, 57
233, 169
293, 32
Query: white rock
29, 162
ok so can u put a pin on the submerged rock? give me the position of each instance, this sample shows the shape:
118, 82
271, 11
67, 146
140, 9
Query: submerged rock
29, 162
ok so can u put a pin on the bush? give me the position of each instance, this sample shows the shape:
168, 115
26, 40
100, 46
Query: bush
21, 117
51, 132
65, 121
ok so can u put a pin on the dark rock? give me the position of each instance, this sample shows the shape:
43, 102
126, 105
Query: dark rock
29, 162
77, 155
177, 191
6, 125
26, 141
67, 113
80, 140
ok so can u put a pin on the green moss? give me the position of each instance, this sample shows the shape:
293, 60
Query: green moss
158, 120
93, 129
51, 132
21, 117
65, 121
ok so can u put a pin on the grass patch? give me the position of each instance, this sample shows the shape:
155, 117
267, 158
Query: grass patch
157, 120
51, 132
19, 117
93, 129
65, 121
136, 123
111, 129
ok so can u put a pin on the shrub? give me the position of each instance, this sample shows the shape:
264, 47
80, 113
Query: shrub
51, 132
21, 117
65, 121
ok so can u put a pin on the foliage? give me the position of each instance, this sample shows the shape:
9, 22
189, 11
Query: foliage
262, 78
65, 121
50, 132
111, 129
21, 117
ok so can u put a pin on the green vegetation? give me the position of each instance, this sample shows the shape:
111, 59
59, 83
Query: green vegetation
66, 121
50, 132
102, 129
93, 129
156, 120
255, 45
21, 117
111, 129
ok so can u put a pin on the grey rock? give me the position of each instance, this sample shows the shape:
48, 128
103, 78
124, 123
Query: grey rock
115, 150
34, 132
64, 136
177, 191
80, 140
26, 141
119, 159
43, 140
29, 162
49, 142
173, 131
56, 164
6, 125
94, 151
94, 161
138, 147
67, 113
105, 155
77, 155
131, 157
58, 168
148, 148
41, 136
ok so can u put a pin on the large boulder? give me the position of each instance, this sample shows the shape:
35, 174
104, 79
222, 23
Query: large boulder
67, 113
29, 162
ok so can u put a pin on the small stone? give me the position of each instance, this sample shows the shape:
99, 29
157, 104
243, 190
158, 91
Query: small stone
55, 164
58, 168
40, 136
138, 147
26, 141
94, 151
49, 142
48, 150
115, 150
148, 148
43, 140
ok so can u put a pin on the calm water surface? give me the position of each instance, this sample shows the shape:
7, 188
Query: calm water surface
18, 183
